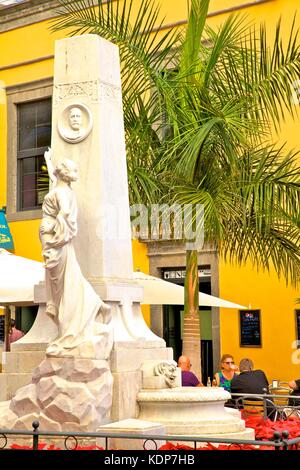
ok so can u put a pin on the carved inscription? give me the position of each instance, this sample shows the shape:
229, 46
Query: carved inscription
70, 90
95, 90
108, 92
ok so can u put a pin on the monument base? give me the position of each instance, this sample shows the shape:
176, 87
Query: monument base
11, 382
125, 365
131, 426
66, 394
145, 428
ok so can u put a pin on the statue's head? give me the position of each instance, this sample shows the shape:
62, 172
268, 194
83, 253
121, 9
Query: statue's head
66, 170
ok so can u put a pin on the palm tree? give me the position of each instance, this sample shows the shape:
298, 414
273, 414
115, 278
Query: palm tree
222, 155
219, 95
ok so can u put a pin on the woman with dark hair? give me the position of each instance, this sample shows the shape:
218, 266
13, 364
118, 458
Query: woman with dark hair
224, 377
14, 333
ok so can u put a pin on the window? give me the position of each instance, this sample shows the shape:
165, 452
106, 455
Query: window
29, 135
34, 137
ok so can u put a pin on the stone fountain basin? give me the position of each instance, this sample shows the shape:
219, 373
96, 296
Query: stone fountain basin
190, 410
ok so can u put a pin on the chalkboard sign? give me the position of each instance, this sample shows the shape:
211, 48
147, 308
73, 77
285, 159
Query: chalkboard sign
250, 334
2, 327
298, 325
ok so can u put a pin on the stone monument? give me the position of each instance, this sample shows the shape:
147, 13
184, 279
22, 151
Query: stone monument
88, 129
71, 389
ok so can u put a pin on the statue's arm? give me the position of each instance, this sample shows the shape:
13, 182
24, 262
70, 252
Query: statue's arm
50, 167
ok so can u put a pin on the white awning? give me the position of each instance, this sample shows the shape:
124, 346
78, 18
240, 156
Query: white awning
18, 276
160, 292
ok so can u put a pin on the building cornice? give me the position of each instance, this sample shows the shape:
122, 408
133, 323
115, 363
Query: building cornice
29, 86
22, 14
34, 11
30, 12
223, 11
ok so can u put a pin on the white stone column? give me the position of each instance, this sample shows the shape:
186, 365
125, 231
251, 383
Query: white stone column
87, 75
87, 82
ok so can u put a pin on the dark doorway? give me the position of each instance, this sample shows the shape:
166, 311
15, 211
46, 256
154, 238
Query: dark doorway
173, 320
25, 317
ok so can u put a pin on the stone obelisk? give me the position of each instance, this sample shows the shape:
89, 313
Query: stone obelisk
88, 128
87, 82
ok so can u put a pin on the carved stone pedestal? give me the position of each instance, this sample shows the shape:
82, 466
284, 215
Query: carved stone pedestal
132, 426
125, 365
66, 394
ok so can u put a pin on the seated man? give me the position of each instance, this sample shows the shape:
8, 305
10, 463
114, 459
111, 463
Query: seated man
188, 378
295, 386
251, 381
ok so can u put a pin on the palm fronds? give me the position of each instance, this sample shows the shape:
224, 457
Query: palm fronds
198, 109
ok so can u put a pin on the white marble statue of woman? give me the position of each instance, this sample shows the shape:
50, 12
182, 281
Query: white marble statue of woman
83, 320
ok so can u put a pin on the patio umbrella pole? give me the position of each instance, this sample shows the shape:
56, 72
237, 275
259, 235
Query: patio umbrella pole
7, 328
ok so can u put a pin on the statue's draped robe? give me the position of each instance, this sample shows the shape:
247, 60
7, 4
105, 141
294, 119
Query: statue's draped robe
71, 301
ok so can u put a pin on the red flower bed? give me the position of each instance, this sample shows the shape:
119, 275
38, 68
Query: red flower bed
264, 430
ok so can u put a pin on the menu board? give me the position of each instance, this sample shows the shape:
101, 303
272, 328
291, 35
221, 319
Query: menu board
250, 332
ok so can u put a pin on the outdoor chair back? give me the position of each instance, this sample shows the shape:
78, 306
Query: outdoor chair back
250, 406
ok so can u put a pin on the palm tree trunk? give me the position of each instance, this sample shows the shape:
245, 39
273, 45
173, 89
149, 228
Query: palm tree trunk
191, 326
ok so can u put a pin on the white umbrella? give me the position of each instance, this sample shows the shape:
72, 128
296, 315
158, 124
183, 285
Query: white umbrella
160, 292
18, 276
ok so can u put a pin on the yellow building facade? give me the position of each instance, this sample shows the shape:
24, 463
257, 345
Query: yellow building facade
26, 73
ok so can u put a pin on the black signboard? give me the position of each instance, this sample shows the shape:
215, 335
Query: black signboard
2, 327
250, 333
298, 325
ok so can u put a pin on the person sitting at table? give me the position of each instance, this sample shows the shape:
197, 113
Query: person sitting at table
228, 370
250, 381
295, 386
188, 378
14, 333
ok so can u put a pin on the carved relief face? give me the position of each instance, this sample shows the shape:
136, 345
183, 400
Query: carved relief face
75, 122
171, 372
75, 119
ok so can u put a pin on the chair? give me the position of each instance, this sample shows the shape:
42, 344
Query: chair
281, 400
253, 407
284, 393
260, 406
292, 411
250, 406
